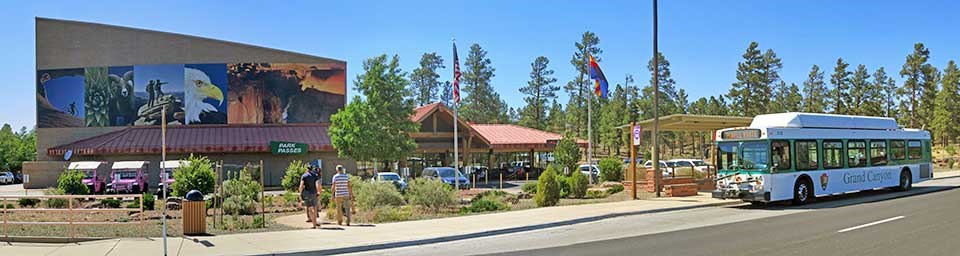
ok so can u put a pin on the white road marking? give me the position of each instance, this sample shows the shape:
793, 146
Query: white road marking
871, 224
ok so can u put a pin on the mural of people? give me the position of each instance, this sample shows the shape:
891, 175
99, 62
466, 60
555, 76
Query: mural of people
60, 98
149, 83
285, 92
205, 86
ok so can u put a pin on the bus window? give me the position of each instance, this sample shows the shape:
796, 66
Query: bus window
898, 150
832, 154
856, 153
755, 155
780, 150
806, 155
878, 153
914, 150
727, 155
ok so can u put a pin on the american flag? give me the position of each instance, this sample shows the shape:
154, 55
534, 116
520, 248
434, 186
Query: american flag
456, 76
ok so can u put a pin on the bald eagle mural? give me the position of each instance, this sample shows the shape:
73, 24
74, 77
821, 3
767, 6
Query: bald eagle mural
204, 89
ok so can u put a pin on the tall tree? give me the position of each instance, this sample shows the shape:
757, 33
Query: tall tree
839, 97
947, 107
668, 91
814, 100
756, 75
446, 93
424, 81
862, 92
886, 92
539, 91
916, 73
557, 122
612, 116
377, 126
481, 104
577, 88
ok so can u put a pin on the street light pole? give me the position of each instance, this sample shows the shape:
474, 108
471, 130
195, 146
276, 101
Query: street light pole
656, 107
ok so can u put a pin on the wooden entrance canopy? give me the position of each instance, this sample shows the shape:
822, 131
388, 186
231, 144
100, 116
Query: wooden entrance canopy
688, 122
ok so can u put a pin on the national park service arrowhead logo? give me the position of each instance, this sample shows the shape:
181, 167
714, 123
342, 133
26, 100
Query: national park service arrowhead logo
824, 179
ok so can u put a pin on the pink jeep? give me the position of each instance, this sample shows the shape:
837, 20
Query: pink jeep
91, 179
166, 174
129, 177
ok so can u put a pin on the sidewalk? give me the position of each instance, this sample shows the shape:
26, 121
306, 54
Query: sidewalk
335, 239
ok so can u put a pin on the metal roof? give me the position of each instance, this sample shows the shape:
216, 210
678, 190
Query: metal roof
690, 122
173, 164
826, 121
88, 165
129, 164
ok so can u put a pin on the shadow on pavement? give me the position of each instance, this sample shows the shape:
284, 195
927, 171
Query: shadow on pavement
848, 199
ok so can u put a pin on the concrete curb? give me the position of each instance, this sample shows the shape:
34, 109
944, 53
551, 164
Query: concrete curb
49, 240
392, 245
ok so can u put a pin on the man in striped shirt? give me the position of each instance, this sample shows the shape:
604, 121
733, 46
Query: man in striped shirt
342, 195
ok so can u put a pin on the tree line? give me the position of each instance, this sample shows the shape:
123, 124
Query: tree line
16, 147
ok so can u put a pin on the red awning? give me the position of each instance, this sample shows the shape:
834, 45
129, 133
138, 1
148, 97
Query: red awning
199, 139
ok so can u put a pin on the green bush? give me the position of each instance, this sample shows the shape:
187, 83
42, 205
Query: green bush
9, 206
578, 183
58, 203
257, 221
325, 198
615, 189
563, 185
110, 203
377, 194
566, 154
148, 202
529, 187
548, 190
198, 174
490, 194
391, 214
951, 150
485, 204
71, 182
241, 194
596, 194
291, 179
28, 202
432, 194
611, 169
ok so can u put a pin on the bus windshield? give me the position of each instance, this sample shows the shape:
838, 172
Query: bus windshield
747, 155
728, 155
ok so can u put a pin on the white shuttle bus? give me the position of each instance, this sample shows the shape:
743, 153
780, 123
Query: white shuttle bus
800, 156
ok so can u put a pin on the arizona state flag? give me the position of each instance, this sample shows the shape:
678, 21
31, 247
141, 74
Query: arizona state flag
600, 80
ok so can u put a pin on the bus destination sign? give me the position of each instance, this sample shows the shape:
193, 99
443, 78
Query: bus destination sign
740, 134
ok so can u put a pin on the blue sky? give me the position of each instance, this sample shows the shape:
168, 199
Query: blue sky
703, 39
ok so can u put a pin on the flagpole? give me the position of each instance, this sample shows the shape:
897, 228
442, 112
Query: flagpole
456, 138
163, 160
590, 136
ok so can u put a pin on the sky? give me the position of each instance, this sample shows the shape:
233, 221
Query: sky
702, 39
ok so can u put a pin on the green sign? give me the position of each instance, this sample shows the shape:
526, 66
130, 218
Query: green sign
287, 148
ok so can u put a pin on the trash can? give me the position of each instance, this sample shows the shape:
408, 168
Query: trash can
194, 214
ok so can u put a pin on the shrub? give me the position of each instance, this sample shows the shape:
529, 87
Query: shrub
110, 203
490, 194
197, 175
291, 179
611, 169
257, 221
566, 154
596, 194
291, 198
529, 187
390, 214
377, 194
55, 202
578, 185
71, 182
240, 194
563, 185
431, 193
485, 204
325, 198
28, 202
9, 206
548, 190
615, 189
951, 150
148, 202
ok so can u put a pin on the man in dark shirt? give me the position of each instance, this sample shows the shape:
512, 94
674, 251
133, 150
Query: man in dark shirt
309, 190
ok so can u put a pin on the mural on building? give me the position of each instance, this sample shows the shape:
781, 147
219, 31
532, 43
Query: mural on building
276, 93
60, 100
245, 93
205, 86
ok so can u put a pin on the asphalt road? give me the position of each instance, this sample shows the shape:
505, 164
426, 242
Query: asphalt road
927, 224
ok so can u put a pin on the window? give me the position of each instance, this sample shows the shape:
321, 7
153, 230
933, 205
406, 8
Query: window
728, 155
898, 149
780, 150
832, 154
856, 153
878, 153
806, 155
756, 155
914, 150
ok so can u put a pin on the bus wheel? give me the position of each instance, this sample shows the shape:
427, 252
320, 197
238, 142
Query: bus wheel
802, 192
906, 180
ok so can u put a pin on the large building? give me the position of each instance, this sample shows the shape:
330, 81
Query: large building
103, 91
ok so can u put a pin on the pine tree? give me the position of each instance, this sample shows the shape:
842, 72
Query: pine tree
916, 72
861, 91
839, 97
539, 91
947, 107
886, 92
756, 76
668, 91
578, 88
780, 93
446, 93
424, 81
794, 100
481, 104
557, 119
813, 92
611, 117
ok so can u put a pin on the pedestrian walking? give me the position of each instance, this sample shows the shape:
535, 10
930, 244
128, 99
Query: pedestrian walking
343, 195
310, 189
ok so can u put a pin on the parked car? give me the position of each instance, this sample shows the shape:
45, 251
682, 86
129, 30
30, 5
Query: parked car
91, 176
666, 168
129, 177
448, 175
18, 177
477, 172
166, 174
586, 169
697, 164
6, 178
393, 178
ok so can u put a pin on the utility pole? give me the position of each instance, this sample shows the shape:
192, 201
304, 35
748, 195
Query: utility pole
656, 104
